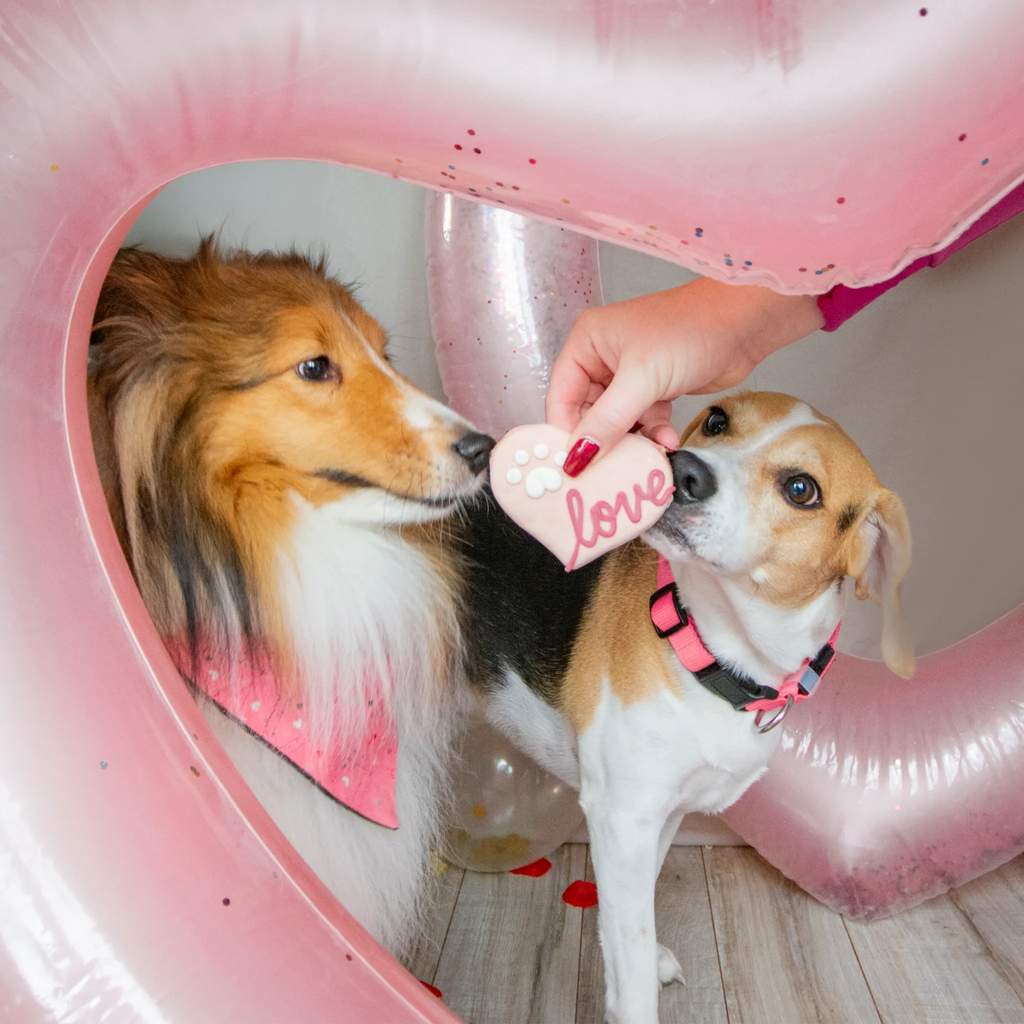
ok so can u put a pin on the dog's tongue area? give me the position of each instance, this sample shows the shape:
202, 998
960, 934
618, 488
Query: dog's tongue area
580, 518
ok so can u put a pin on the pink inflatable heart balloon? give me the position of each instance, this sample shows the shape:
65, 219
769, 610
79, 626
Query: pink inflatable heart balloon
884, 792
578, 519
795, 145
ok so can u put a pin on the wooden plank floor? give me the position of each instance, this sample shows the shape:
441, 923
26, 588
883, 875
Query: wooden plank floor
755, 949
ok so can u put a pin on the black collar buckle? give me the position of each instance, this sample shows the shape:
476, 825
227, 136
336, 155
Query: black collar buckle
738, 690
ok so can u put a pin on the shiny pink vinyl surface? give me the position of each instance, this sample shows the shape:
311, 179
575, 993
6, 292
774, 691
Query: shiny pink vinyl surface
795, 145
886, 791
140, 878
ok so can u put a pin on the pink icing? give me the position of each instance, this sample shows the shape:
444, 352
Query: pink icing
579, 518
605, 517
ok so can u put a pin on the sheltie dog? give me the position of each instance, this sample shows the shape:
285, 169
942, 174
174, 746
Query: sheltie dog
281, 495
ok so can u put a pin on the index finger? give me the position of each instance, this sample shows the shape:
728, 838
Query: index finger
573, 384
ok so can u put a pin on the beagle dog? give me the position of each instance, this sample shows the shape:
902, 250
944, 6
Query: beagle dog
652, 680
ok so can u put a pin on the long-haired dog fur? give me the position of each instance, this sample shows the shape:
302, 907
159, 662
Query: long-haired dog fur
281, 494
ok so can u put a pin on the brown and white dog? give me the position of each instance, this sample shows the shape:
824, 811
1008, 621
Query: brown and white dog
280, 493
774, 508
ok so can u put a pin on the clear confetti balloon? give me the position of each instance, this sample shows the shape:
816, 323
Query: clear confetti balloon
508, 811
504, 291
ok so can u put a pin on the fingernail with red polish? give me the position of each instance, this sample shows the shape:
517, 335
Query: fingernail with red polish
582, 454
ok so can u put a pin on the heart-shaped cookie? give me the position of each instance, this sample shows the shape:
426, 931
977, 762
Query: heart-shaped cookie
578, 519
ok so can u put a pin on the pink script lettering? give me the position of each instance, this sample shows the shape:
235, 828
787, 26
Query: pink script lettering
604, 517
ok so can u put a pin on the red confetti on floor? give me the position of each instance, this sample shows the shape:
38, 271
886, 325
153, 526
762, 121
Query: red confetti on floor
581, 894
538, 867
433, 990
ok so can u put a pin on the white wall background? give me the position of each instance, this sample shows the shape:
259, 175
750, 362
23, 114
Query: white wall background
928, 381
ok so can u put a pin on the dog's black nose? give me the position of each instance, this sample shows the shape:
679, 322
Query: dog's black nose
694, 478
475, 449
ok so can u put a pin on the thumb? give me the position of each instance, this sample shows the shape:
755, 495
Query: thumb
626, 399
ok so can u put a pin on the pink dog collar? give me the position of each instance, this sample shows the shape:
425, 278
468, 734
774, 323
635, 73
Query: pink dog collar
672, 622
357, 771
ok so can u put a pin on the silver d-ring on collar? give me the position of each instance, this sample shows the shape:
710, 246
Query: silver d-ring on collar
779, 715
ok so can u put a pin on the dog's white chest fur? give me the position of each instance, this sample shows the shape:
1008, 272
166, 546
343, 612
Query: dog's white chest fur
356, 597
697, 753
702, 753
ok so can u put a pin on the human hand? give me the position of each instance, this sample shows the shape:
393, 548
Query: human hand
625, 363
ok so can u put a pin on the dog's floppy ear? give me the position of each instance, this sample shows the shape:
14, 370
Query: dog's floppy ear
881, 560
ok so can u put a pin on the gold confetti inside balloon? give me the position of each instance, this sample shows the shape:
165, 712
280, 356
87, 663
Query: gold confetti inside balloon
508, 811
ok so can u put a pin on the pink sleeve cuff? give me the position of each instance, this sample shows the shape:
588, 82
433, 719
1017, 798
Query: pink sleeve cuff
838, 305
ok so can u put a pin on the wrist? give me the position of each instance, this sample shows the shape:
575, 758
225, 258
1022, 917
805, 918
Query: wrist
775, 321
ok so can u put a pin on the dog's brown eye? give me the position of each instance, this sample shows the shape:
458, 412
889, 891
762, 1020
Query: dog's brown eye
716, 422
318, 369
801, 490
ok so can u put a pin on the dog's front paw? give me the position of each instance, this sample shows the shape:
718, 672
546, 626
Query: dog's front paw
668, 967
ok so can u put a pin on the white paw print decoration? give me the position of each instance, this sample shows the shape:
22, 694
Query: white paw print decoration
540, 479
578, 519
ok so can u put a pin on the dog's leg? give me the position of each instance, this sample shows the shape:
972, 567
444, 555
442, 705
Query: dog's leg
668, 833
627, 807
668, 966
623, 844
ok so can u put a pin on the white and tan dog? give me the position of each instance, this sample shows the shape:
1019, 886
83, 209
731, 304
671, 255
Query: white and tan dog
774, 508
